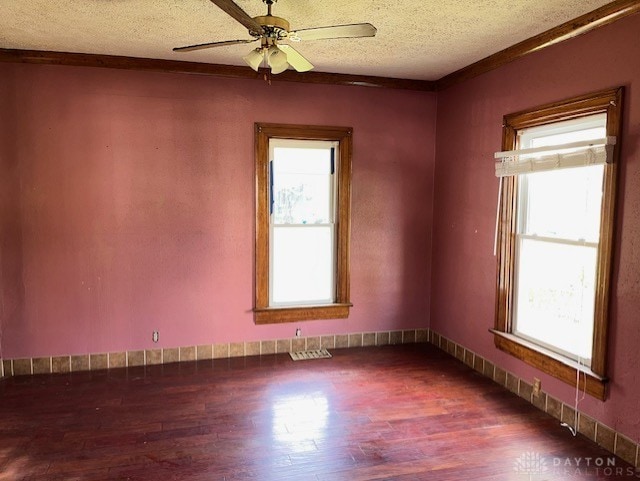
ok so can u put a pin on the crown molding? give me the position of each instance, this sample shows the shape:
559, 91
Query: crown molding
585, 23
600, 17
232, 71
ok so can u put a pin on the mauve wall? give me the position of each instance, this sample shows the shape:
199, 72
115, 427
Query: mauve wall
469, 127
136, 193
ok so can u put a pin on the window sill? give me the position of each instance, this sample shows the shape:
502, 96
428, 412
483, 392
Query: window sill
274, 315
551, 363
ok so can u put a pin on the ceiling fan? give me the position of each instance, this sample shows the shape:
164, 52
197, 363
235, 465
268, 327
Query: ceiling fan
271, 30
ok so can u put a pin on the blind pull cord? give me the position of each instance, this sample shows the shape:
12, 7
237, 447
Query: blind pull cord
495, 237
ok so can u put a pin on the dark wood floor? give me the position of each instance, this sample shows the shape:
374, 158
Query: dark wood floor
382, 413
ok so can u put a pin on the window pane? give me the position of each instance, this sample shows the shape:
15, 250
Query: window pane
555, 295
302, 186
567, 137
303, 265
563, 203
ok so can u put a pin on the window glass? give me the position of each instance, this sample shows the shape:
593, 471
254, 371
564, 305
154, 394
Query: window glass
302, 223
302, 186
563, 203
302, 265
555, 300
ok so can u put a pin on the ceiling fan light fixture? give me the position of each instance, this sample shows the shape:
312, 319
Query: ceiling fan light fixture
254, 58
277, 60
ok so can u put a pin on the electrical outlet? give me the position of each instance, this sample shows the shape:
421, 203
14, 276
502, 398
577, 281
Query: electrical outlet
298, 332
537, 384
155, 336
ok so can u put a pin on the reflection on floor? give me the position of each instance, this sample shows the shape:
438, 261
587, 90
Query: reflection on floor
405, 412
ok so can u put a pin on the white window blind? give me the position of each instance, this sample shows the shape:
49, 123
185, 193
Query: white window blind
563, 156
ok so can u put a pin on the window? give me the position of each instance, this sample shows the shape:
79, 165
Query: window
302, 222
555, 238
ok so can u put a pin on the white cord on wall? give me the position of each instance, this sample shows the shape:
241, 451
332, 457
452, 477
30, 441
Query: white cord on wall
574, 428
495, 238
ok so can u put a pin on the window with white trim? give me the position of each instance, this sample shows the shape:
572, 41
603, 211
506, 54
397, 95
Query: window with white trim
302, 222
555, 236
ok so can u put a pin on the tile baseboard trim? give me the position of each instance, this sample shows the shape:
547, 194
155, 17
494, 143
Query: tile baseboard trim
601, 434
113, 360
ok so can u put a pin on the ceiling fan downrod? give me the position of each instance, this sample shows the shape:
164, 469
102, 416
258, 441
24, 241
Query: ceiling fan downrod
269, 3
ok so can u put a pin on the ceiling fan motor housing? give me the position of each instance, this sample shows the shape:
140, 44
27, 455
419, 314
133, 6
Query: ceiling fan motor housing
275, 27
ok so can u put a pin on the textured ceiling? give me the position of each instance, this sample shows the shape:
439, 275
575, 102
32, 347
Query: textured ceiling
417, 39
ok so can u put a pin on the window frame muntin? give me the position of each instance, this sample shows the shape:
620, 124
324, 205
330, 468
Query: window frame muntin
593, 380
263, 313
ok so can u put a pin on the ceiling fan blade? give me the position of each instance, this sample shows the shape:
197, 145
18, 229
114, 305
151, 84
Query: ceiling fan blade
230, 8
201, 46
335, 31
295, 59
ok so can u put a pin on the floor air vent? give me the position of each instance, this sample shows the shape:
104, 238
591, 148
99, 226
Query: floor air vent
312, 354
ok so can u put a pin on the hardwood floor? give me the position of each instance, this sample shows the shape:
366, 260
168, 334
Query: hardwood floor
400, 413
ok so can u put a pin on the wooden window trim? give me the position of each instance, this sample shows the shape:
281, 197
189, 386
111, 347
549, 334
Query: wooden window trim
593, 380
263, 313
